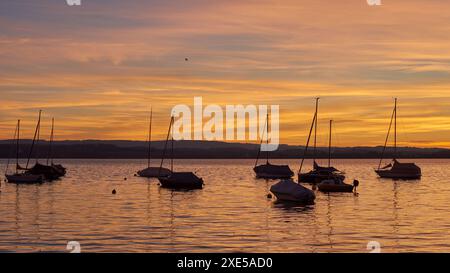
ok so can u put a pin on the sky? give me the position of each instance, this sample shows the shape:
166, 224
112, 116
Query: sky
99, 67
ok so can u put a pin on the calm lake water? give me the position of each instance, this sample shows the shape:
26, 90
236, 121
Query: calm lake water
231, 214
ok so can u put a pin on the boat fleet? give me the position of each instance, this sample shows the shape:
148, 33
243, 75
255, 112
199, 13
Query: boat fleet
323, 178
40, 172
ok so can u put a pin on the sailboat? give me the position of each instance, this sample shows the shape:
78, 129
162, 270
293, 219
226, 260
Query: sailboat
318, 173
288, 190
152, 171
395, 169
335, 183
270, 171
177, 180
48, 172
60, 169
20, 177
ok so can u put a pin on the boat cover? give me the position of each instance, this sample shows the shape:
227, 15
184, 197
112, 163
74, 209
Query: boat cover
274, 169
289, 187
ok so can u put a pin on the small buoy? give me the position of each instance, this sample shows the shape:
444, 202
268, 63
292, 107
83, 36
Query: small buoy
114, 191
135, 174
269, 195
125, 178
186, 59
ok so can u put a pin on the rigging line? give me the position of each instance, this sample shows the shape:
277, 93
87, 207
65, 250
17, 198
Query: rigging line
267, 139
165, 147
149, 155
260, 144
34, 140
386, 141
307, 143
315, 130
12, 147
49, 154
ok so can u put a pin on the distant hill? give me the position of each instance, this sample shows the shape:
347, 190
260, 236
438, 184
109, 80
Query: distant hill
202, 149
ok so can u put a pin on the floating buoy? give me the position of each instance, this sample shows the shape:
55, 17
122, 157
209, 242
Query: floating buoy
186, 59
114, 191
135, 174
269, 196
125, 179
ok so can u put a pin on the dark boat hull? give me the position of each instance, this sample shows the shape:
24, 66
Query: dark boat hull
181, 181
315, 178
269, 171
154, 172
24, 179
335, 188
48, 172
400, 176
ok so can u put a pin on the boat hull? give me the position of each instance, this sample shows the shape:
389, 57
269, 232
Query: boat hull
154, 172
399, 176
269, 171
24, 179
181, 181
335, 188
315, 178
287, 190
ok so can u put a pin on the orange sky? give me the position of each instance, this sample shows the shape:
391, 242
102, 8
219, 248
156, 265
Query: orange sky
98, 68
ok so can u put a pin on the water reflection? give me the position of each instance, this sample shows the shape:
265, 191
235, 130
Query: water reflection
231, 214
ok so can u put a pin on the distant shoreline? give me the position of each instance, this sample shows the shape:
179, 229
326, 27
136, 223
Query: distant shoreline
110, 149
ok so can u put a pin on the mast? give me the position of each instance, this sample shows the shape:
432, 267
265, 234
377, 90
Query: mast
315, 130
395, 129
14, 140
49, 155
34, 139
329, 145
267, 140
149, 156
262, 139
165, 146
171, 157
17, 146
307, 142
387, 138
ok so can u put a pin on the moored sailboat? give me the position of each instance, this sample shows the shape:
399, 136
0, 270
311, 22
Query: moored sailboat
335, 183
152, 171
395, 169
49, 173
318, 173
177, 180
268, 170
288, 190
18, 176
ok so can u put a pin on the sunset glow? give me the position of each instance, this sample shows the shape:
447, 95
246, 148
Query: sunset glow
98, 68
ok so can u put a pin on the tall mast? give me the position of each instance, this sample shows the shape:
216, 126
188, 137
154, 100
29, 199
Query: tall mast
34, 139
267, 140
171, 134
315, 129
260, 144
307, 142
387, 138
149, 156
17, 146
329, 145
395, 129
165, 147
49, 155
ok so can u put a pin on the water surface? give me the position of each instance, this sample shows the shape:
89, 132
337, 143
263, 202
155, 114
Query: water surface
231, 214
